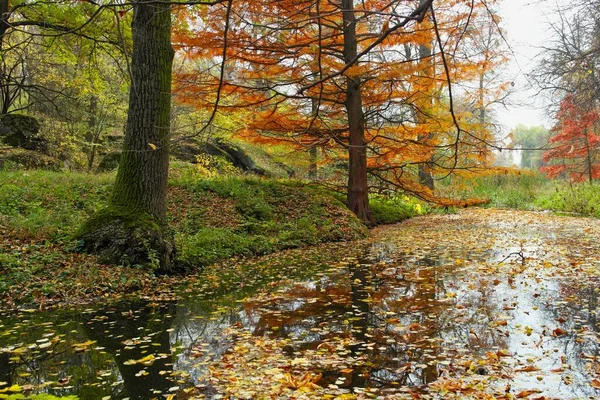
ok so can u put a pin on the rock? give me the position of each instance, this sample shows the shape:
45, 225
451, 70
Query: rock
188, 150
109, 162
236, 155
29, 159
22, 131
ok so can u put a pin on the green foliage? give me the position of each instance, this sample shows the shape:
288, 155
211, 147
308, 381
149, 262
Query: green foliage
529, 138
210, 166
212, 219
532, 191
209, 245
393, 209
49, 205
580, 198
504, 190
243, 216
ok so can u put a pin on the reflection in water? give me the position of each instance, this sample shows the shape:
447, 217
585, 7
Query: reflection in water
121, 351
388, 316
132, 332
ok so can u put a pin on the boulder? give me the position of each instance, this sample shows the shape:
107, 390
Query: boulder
22, 131
109, 162
28, 159
188, 150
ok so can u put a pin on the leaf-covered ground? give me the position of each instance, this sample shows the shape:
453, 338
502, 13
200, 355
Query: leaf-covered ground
481, 304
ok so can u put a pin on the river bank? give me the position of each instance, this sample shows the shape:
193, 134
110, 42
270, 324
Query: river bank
212, 219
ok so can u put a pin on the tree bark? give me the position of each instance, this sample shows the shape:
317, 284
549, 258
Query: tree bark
313, 169
143, 171
4, 16
358, 198
588, 157
137, 207
91, 135
425, 168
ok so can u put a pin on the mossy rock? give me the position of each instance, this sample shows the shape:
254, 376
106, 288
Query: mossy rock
109, 162
22, 131
124, 237
188, 150
29, 159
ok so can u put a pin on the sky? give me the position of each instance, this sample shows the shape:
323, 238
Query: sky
526, 25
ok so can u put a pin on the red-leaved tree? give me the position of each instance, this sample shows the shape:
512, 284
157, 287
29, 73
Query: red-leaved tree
575, 144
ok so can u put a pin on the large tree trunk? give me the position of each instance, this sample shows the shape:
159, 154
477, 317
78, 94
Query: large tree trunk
358, 197
133, 227
425, 168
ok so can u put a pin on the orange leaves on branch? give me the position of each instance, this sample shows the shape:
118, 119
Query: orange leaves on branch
285, 66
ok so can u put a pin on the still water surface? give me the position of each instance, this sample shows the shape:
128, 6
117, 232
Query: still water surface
477, 295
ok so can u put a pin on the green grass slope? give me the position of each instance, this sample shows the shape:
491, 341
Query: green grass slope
212, 219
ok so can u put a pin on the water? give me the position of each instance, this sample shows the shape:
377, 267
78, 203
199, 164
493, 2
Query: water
486, 301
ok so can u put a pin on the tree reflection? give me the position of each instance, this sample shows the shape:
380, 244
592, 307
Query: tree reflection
134, 331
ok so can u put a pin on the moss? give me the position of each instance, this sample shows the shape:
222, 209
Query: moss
127, 237
17, 159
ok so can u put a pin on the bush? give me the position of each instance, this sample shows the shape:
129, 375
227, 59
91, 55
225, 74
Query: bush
394, 209
581, 198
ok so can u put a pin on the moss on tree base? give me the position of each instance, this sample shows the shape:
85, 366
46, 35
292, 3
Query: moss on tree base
128, 237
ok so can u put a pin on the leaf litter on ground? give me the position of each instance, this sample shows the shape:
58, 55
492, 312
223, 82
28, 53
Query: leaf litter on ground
480, 304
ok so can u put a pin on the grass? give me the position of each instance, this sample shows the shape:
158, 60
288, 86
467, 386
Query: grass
530, 191
581, 198
519, 191
212, 219
227, 216
393, 209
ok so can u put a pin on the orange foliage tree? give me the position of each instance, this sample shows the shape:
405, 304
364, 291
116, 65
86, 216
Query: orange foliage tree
575, 143
366, 82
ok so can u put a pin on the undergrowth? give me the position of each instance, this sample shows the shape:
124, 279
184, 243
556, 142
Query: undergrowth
213, 217
581, 198
529, 191
519, 191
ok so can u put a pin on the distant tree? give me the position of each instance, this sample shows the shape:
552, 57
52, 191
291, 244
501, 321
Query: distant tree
32, 28
569, 61
575, 144
531, 141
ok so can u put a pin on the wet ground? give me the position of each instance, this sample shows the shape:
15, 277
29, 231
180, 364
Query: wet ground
481, 304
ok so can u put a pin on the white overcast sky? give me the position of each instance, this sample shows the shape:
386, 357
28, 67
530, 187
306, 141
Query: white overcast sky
526, 26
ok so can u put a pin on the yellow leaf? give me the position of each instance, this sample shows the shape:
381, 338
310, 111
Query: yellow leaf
148, 360
84, 344
12, 389
152, 146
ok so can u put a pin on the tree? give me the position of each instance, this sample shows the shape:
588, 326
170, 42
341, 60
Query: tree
29, 27
531, 141
133, 227
568, 64
569, 71
576, 144
317, 74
